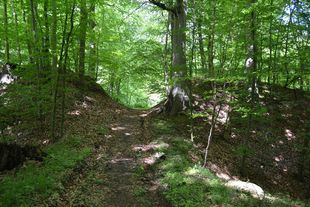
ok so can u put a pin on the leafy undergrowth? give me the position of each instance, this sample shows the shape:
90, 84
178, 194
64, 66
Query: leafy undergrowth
187, 184
35, 182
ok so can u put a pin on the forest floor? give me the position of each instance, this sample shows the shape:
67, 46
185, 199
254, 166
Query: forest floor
116, 173
124, 157
274, 142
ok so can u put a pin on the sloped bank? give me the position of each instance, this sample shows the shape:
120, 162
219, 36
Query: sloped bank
185, 183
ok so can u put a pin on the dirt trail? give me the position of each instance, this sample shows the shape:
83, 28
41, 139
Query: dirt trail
113, 176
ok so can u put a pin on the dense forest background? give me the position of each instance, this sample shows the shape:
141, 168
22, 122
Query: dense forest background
240, 67
127, 46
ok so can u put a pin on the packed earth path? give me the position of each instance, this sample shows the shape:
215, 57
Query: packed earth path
117, 173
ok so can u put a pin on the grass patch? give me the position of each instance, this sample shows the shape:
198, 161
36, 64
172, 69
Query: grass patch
190, 185
139, 192
163, 126
33, 184
102, 130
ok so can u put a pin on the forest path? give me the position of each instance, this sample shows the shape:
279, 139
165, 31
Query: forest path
115, 175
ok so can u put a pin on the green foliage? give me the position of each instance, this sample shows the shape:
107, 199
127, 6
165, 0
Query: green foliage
36, 182
102, 130
187, 185
243, 150
139, 191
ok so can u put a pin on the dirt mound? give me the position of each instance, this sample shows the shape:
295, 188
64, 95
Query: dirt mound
273, 144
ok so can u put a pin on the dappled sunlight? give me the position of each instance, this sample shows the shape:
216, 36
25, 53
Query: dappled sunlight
118, 128
149, 147
151, 160
119, 160
156, 184
99, 156
220, 172
223, 114
289, 135
143, 115
75, 113
278, 158
46, 142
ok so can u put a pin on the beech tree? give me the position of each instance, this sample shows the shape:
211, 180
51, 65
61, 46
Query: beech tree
178, 93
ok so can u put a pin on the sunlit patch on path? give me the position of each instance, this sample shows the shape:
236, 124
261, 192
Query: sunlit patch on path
117, 172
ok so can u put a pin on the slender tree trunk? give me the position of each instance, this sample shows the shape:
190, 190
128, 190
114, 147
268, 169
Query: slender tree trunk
93, 44
191, 65
270, 44
251, 66
17, 32
46, 38
200, 22
215, 115
26, 21
58, 76
36, 45
53, 34
252, 59
211, 37
286, 60
6, 32
201, 46
82, 39
64, 71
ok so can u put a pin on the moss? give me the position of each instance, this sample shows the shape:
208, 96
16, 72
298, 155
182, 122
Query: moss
190, 185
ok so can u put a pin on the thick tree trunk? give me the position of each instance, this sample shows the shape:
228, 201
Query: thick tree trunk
178, 95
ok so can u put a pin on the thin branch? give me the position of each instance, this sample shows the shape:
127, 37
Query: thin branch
131, 13
162, 6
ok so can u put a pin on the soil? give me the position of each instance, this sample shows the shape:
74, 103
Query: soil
115, 174
274, 141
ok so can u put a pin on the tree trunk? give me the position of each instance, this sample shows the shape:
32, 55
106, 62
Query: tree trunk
83, 27
200, 22
178, 95
251, 63
53, 37
17, 32
27, 32
286, 60
46, 40
93, 45
64, 72
270, 44
6, 35
36, 45
211, 37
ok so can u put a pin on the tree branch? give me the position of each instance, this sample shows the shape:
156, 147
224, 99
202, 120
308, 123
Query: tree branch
162, 6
